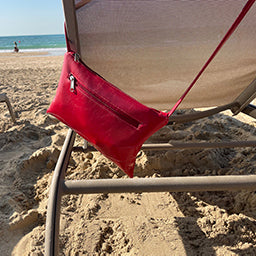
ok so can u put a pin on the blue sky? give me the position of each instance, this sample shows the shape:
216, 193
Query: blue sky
31, 17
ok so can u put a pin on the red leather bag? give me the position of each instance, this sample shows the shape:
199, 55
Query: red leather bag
113, 122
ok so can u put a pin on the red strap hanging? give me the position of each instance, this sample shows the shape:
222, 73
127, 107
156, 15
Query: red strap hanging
225, 38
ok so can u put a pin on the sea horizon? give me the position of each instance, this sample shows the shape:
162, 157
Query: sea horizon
53, 44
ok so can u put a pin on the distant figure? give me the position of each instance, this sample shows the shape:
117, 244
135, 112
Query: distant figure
16, 49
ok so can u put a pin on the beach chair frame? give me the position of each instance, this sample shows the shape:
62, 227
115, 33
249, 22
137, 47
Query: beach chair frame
60, 186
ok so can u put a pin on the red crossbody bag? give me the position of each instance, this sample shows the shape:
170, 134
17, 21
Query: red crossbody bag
113, 122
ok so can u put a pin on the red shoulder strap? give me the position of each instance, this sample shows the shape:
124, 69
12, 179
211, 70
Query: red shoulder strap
225, 38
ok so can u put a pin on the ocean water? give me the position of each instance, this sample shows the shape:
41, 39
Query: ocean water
53, 44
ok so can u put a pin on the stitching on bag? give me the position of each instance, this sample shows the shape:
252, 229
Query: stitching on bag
108, 109
118, 109
109, 106
106, 100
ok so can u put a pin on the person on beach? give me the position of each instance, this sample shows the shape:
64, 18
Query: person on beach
16, 49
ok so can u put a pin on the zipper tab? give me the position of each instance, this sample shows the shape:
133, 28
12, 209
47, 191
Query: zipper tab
72, 83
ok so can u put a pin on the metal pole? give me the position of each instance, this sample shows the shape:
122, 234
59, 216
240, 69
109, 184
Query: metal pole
250, 110
53, 207
171, 184
183, 145
185, 118
198, 145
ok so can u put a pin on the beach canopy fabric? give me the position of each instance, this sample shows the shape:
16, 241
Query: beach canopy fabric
153, 49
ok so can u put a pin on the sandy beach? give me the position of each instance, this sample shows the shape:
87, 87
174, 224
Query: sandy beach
205, 223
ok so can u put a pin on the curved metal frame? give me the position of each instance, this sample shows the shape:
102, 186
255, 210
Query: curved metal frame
53, 207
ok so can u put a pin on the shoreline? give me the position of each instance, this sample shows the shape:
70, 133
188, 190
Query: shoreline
23, 54
34, 52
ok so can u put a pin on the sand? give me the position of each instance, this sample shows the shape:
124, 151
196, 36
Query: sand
205, 223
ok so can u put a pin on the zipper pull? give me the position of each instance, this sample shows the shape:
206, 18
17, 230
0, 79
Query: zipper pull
72, 83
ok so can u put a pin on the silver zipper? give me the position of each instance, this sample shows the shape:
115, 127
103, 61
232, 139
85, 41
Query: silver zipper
72, 83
